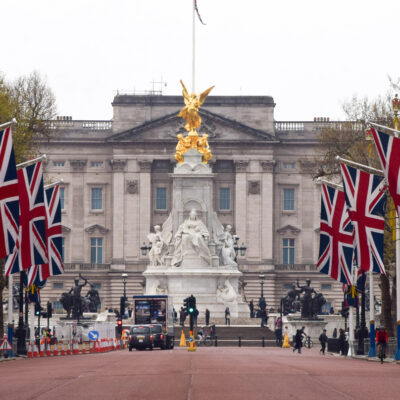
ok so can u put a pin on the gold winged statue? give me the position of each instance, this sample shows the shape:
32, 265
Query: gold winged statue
190, 113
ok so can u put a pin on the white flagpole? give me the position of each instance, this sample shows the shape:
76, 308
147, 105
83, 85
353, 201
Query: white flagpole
393, 132
351, 316
361, 166
12, 122
320, 181
24, 164
53, 184
193, 47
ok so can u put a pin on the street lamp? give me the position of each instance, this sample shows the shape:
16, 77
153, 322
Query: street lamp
242, 249
144, 249
261, 277
124, 280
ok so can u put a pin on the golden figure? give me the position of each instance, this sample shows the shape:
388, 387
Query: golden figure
190, 112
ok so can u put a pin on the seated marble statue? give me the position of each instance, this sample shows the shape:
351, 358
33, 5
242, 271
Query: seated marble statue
191, 240
159, 247
225, 292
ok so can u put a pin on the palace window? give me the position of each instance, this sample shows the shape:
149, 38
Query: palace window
58, 285
224, 198
62, 194
97, 198
58, 163
288, 251
289, 165
161, 198
96, 250
97, 285
326, 286
288, 199
287, 286
96, 164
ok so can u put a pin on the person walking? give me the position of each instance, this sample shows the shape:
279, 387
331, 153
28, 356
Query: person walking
207, 317
264, 317
342, 342
212, 331
227, 316
278, 332
323, 339
251, 306
182, 317
298, 340
334, 333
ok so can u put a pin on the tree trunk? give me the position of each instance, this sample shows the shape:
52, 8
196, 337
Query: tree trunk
386, 315
3, 284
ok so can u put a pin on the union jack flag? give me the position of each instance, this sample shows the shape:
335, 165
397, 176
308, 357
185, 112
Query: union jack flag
336, 236
32, 249
388, 148
54, 240
9, 200
366, 199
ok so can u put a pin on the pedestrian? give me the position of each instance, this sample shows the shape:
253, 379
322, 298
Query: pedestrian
182, 317
342, 342
334, 334
264, 317
251, 306
207, 316
227, 316
298, 340
175, 315
212, 331
278, 332
323, 339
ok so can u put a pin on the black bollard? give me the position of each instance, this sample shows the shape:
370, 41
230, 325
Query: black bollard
263, 341
216, 341
240, 341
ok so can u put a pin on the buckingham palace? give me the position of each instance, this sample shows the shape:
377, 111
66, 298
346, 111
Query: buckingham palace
117, 186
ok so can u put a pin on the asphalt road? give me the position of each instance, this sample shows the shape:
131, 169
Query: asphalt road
209, 373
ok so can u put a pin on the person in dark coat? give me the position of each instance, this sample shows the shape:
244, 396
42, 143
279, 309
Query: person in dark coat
182, 316
227, 316
334, 333
251, 306
323, 339
298, 340
207, 316
342, 342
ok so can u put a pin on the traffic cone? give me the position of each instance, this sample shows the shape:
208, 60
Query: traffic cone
91, 347
83, 348
55, 349
286, 344
30, 353
62, 352
48, 350
183, 340
76, 347
68, 349
192, 343
35, 350
41, 353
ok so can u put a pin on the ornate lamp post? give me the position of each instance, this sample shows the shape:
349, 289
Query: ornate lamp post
261, 277
144, 249
124, 280
242, 249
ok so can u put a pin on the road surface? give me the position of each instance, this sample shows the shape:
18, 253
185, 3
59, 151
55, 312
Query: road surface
210, 373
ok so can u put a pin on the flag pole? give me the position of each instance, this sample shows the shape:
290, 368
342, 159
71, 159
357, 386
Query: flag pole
361, 166
394, 132
50, 185
320, 181
12, 122
396, 126
351, 316
24, 164
193, 46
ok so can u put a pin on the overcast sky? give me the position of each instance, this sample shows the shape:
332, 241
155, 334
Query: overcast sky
310, 55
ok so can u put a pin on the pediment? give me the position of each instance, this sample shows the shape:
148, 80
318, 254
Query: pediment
96, 228
215, 126
288, 229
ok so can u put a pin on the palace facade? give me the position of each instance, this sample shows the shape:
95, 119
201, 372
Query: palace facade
117, 187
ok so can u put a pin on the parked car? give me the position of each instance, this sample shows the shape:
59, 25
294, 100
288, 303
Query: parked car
159, 337
140, 338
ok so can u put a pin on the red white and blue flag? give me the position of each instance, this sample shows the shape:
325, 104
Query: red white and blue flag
40, 273
336, 236
388, 148
366, 198
32, 249
9, 199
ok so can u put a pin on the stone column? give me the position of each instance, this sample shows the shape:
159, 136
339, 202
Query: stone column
267, 210
241, 200
118, 167
144, 199
78, 211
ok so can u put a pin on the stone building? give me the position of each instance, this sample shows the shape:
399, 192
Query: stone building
117, 187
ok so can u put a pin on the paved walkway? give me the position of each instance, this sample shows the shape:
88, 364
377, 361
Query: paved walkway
210, 373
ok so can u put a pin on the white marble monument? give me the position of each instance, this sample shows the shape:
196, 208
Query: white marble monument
193, 253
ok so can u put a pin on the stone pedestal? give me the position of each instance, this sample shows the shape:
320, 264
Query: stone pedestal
313, 327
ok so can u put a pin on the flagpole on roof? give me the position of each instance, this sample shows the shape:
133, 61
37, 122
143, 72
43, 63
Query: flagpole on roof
193, 47
12, 122
50, 185
361, 166
24, 164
